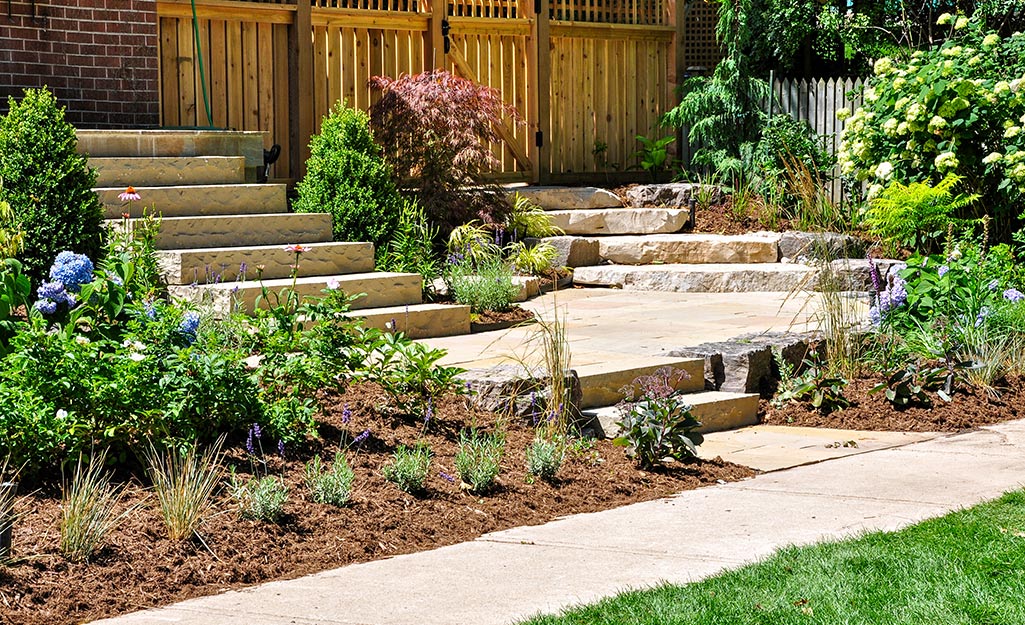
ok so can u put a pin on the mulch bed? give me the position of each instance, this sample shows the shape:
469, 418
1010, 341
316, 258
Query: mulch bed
969, 409
140, 568
515, 314
720, 218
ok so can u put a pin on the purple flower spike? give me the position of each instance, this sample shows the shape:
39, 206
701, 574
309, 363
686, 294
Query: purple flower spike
429, 413
445, 476
364, 435
281, 448
346, 414
1013, 295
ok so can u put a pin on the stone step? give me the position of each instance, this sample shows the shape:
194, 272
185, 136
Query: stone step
601, 221
759, 247
418, 321
177, 233
198, 200
716, 410
124, 171
228, 264
106, 143
567, 198
381, 289
602, 382
700, 278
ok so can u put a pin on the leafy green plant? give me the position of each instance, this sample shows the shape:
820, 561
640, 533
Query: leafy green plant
410, 467
184, 483
545, 456
484, 285
89, 509
436, 129
653, 157
12, 237
472, 242
407, 370
479, 459
813, 385
915, 216
260, 499
411, 248
331, 486
911, 385
527, 219
15, 290
534, 260
47, 183
347, 176
656, 421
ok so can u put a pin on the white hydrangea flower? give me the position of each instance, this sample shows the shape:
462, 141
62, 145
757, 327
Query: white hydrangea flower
871, 95
993, 157
952, 51
874, 190
883, 66
946, 161
944, 19
890, 127
1012, 132
961, 23
915, 111
991, 40
1002, 87
902, 129
899, 83
843, 114
884, 171
937, 123
1016, 85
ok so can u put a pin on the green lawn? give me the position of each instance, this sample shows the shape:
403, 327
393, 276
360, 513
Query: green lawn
967, 567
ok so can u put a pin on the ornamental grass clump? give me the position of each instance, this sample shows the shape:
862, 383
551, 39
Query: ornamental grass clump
184, 483
478, 461
410, 467
331, 486
89, 509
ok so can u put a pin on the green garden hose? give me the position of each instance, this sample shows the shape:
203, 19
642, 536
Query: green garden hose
202, 74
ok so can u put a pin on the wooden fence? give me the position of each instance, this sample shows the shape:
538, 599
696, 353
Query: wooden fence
580, 72
816, 102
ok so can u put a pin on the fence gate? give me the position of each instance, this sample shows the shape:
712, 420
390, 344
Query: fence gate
586, 76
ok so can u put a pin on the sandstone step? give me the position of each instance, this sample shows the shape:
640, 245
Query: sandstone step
602, 382
759, 247
105, 143
620, 220
177, 233
380, 289
418, 321
717, 411
227, 264
567, 198
124, 171
697, 278
198, 200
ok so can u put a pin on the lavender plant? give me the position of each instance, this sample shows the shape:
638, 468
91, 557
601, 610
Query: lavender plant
410, 467
331, 486
545, 456
260, 499
478, 460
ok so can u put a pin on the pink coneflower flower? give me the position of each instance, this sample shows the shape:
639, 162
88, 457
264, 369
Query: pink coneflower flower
297, 248
333, 283
129, 195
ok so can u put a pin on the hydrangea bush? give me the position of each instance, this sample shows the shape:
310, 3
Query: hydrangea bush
958, 108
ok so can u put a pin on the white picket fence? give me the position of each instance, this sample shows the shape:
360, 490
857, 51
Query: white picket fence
816, 101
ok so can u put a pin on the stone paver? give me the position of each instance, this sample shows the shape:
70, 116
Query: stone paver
508, 576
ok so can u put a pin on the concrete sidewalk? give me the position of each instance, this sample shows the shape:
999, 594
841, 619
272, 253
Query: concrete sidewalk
510, 575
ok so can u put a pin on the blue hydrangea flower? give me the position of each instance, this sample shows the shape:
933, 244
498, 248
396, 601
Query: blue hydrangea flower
51, 290
46, 306
1013, 295
190, 323
72, 270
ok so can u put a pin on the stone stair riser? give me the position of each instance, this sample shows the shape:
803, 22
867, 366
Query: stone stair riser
418, 321
168, 171
601, 384
107, 143
567, 198
380, 289
717, 411
178, 233
224, 264
668, 249
614, 221
695, 279
197, 200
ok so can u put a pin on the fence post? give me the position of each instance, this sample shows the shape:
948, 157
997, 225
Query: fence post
541, 78
300, 88
434, 40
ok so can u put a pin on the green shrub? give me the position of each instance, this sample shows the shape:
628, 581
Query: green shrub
915, 216
657, 422
410, 467
47, 183
332, 486
479, 459
527, 219
260, 499
956, 108
534, 260
347, 177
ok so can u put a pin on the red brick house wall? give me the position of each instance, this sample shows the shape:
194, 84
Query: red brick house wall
98, 56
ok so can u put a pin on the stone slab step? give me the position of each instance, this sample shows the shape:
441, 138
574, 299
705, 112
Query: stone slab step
760, 247
418, 321
198, 200
124, 171
601, 382
567, 198
381, 289
717, 411
620, 220
228, 264
177, 233
700, 278
105, 143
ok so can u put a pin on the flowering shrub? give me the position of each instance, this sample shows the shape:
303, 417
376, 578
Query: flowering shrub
656, 421
958, 108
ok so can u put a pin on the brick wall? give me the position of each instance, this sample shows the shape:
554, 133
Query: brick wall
98, 56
